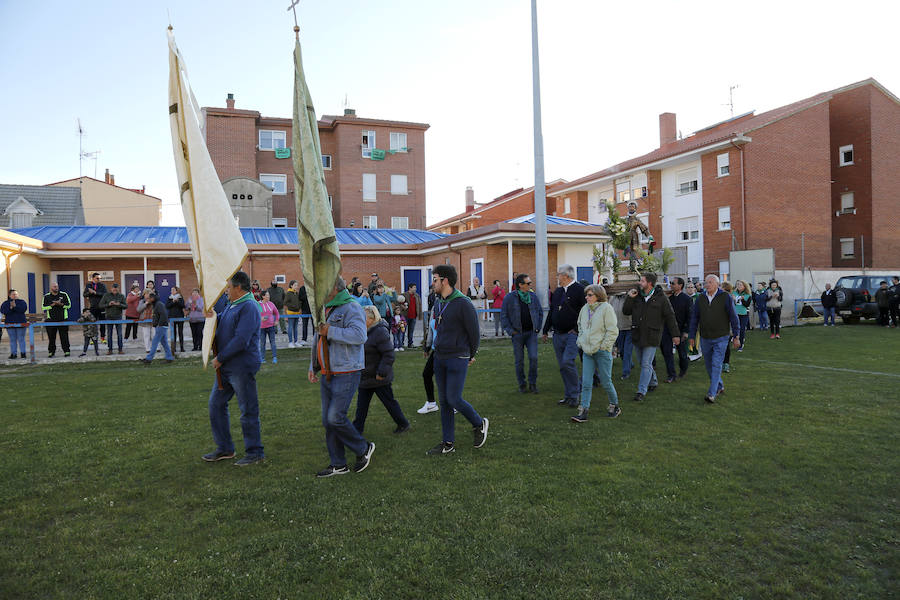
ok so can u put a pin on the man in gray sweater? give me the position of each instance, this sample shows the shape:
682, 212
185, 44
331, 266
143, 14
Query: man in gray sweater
713, 313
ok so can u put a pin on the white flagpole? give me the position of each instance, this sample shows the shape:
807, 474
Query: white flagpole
541, 268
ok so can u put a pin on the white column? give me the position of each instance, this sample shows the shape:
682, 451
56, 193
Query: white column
509, 263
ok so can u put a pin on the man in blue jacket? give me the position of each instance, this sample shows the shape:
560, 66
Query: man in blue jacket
521, 316
237, 361
338, 353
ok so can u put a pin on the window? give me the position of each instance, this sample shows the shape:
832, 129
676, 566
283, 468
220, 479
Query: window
276, 183
368, 143
369, 187
370, 222
847, 248
398, 185
624, 196
399, 222
398, 142
723, 270
326, 162
688, 229
279, 222
269, 140
724, 218
17, 220
687, 181
566, 206
847, 203
845, 155
722, 165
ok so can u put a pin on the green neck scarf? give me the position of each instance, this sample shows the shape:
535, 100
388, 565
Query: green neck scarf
524, 296
244, 298
454, 294
341, 298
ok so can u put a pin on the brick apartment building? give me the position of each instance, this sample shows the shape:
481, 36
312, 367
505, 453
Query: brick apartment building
825, 168
374, 169
517, 203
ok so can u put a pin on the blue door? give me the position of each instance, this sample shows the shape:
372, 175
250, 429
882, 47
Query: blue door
71, 284
585, 274
32, 293
479, 272
410, 277
164, 283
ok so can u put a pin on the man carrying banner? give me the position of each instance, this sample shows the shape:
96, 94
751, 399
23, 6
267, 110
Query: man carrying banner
339, 354
237, 362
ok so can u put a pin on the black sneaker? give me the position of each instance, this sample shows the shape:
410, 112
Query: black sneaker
333, 470
250, 459
442, 448
582, 416
363, 461
402, 428
709, 399
481, 433
682, 375
613, 411
533, 388
563, 402
671, 379
624, 377
639, 397
218, 455
650, 388
66, 354
523, 388
23, 355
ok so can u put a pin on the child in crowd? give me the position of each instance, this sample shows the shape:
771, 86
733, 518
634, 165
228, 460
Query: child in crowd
89, 330
398, 327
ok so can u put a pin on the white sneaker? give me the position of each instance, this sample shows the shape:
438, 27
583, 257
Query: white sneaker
400, 349
428, 407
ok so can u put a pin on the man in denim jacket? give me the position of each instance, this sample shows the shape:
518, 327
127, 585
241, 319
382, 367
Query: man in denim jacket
521, 316
338, 353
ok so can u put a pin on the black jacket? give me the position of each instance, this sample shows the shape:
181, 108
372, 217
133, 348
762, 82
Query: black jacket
565, 304
94, 293
304, 301
175, 307
160, 315
649, 316
276, 296
828, 299
681, 306
458, 334
379, 350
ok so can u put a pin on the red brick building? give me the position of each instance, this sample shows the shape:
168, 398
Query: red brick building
517, 203
365, 190
818, 181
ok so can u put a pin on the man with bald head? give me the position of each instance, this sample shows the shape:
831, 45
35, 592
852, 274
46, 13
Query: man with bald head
56, 307
713, 313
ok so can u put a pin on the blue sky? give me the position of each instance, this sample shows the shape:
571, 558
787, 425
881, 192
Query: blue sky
608, 69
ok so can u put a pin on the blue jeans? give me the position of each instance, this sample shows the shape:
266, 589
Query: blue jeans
829, 314
450, 375
292, 328
763, 319
337, 395
714, 355
385, 393
161, 337
410, 328
601, 363
242, 383
268, 332
109, 335
398, 339
16, 338
744, 320
648, 373
566, 351
527, 340
623, 343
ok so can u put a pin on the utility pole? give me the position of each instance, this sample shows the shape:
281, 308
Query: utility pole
541, 268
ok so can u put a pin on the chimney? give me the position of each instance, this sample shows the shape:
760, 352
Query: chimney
470, 199
107, 176
229, 102
349, 112
667, 129
112, 179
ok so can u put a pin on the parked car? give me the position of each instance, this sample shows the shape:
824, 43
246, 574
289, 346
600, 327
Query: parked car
855, 296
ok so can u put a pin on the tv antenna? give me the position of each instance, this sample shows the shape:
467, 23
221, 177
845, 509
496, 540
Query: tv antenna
730, 104
82, 154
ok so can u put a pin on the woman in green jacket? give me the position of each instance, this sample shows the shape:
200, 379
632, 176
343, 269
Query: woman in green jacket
597, 331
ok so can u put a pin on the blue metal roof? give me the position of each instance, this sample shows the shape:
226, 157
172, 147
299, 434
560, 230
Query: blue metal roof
178, 235
552, 220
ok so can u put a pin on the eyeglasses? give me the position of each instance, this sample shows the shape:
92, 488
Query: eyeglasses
588, 294
527, 282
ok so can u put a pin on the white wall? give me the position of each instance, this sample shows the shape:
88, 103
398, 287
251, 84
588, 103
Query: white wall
596, 199
577, 254
678, 206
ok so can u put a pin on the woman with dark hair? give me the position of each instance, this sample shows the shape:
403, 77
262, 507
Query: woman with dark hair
196, 319
15, 312
267, 325
497, 295
292, 307
175, 306
131, 311
774, 298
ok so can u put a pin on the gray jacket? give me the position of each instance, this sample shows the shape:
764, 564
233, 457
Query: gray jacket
346, 336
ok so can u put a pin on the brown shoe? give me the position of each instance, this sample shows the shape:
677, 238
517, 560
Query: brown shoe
108, 352
121, 352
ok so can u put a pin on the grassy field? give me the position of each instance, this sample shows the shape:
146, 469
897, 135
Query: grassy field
788, 488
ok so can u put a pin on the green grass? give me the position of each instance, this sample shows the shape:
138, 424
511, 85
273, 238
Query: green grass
785, 489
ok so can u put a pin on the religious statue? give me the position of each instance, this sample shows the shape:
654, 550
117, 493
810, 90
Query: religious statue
635, 228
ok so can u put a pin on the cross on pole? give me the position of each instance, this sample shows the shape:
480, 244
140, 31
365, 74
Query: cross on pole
293, 7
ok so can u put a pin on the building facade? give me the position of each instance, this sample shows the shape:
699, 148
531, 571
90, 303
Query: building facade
374, 169
105, 203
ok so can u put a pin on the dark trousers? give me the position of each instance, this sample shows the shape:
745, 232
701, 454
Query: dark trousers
88, 342
385, 393
117, 327
410, 328
197, 334
178, 335
895, 313
131, 328
884, 315
305, 327
774, 320
63, 338
428, 377
665, 345
98, 314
